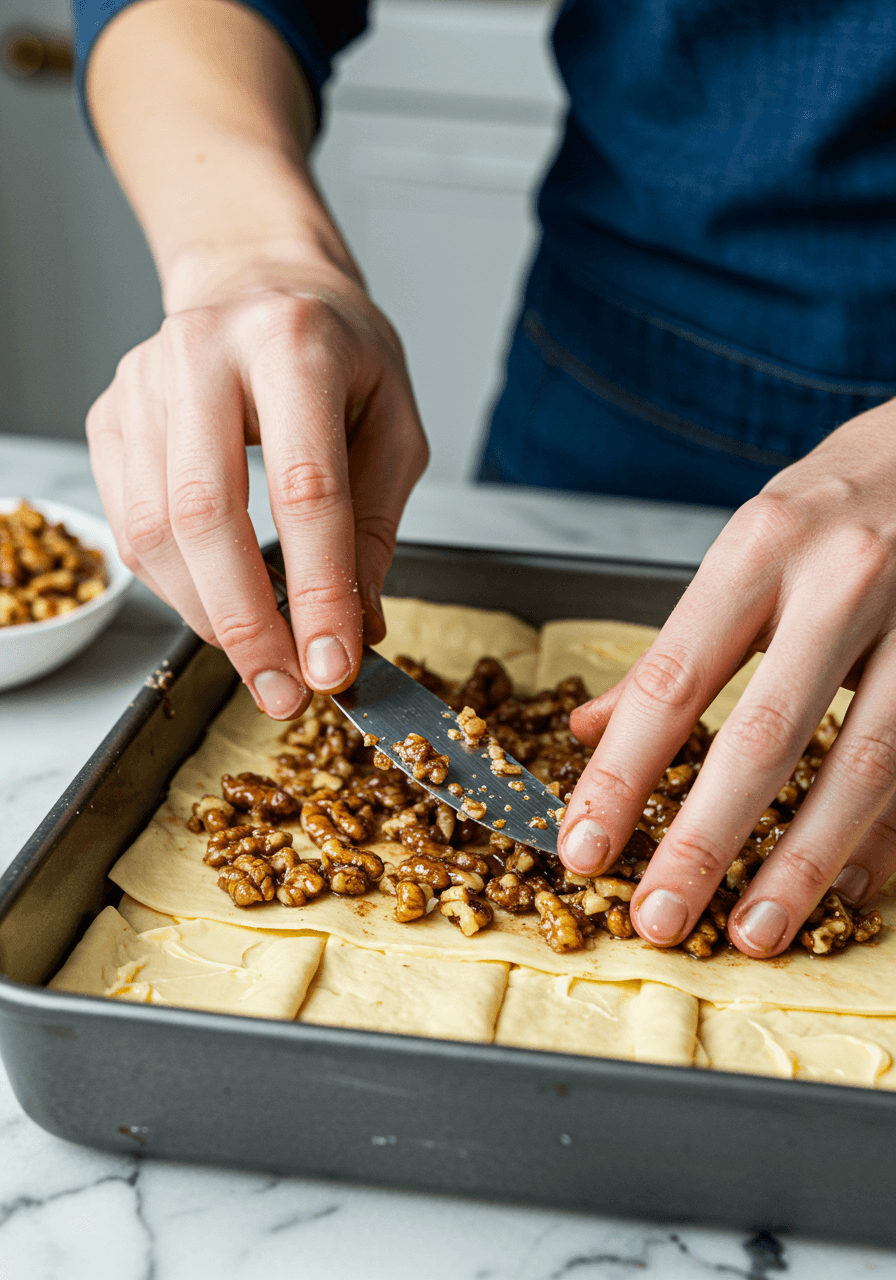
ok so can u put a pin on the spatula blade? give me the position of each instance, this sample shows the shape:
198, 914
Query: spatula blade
388, 703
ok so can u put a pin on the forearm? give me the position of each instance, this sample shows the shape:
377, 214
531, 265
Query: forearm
205, 117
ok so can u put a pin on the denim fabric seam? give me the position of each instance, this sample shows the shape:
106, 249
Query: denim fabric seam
559, 357
737, 356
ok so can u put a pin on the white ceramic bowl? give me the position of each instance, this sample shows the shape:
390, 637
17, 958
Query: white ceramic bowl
34, 648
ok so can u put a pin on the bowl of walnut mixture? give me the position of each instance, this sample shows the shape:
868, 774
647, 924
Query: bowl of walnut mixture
61, 582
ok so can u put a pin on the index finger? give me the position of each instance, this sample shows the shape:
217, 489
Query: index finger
300, 382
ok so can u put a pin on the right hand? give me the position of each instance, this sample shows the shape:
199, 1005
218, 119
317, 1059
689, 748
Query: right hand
296, 358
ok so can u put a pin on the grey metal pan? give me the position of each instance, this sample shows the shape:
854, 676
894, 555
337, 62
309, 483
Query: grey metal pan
677, 1144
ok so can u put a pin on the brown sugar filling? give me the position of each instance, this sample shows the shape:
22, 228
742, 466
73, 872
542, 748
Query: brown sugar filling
346, 793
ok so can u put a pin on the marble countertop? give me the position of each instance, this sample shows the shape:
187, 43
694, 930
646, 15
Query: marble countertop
69, 1213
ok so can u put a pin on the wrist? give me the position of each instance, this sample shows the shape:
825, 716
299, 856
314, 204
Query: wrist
206, 272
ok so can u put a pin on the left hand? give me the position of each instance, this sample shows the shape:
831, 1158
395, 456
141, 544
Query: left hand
805, 572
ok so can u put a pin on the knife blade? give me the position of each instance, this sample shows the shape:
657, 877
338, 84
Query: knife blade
386, 702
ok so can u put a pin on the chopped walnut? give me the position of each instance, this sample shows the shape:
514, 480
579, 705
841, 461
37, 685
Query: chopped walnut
700, 942
211, 814
500, 766
557, 923
259, 795
412, 901
326, 819
511, 892
224, 847
335, 853
472, 726
474, 809
425, 871
370, 739
467, 912
426, 764
618, 922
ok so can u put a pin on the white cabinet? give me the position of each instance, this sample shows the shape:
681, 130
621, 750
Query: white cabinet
438, 129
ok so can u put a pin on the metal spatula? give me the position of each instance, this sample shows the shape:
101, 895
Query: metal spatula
386, 702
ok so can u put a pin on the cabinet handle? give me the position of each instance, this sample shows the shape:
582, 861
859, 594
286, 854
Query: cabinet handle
29, 54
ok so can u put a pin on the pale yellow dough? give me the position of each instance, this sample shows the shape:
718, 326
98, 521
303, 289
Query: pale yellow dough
380, 991
793, 1015
198, 964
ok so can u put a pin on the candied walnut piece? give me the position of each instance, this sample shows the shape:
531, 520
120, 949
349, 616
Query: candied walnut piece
242, 890
412, 901
211, 814
617, 921
473, 808
511, 892
425, 871
701, 941
426, 764
419, 840
227, 845
867, 926
324, 819
348, 881
500, 766
382, 761
259, 795
558, 924
468, 913
335, 853
831, 930
472, 727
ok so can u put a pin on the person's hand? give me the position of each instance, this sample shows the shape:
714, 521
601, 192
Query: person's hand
806, 572
298, 359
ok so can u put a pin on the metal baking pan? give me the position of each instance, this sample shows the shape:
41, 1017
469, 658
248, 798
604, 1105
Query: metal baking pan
679, 1144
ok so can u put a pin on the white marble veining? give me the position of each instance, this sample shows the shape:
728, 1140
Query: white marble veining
68, 1213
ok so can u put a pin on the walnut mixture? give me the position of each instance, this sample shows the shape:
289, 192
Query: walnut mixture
331, 779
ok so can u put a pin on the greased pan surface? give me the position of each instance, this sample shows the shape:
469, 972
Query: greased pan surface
544, 1128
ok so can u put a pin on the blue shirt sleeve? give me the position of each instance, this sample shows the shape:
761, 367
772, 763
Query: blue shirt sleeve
315, 31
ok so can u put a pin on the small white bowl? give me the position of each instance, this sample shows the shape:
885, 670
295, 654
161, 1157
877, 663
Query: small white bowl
31, 649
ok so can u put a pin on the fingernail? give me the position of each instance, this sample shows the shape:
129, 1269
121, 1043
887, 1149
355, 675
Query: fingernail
852, 883
280, 693
375, 601
662, 916
326, 662
764, 924
584, 847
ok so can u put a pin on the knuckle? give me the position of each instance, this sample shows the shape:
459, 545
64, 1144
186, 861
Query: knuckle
763, 526
865, 555
185, 333
381, 529
666, 678
146, 527
883, 835
806, 869
762, 733
606, 784
306, 487
309, 597
198, 506
239, 629
868, 758
684, 851
305, 325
